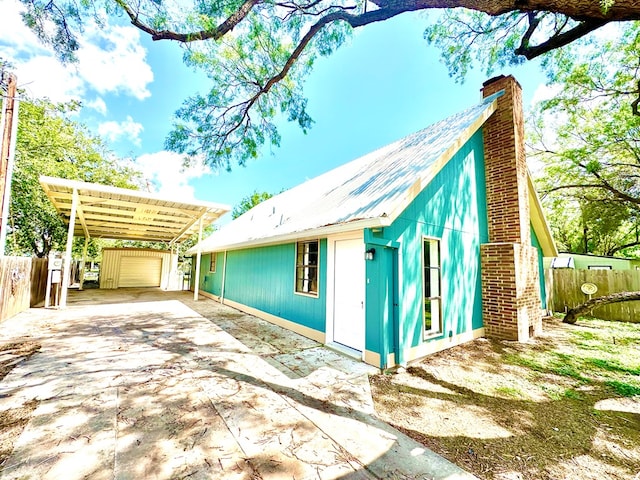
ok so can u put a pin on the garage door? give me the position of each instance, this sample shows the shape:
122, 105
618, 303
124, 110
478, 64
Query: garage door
140, 272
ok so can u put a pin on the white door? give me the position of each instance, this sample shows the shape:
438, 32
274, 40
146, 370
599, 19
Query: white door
140, 272
348, 306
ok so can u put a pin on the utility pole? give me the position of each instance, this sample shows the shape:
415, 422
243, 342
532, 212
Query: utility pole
8, 130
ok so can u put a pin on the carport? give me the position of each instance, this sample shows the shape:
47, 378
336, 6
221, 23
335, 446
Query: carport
92, 210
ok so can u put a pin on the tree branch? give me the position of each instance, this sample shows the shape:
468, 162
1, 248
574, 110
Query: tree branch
340, 15
572, 315
558, 40
215, 34
590, 14
614, 250
634, 104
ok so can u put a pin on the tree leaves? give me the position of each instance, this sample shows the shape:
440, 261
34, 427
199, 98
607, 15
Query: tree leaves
48, 143
589, 141
259, 52
248, 202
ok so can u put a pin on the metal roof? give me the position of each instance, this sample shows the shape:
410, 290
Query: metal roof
123, 214
367, 192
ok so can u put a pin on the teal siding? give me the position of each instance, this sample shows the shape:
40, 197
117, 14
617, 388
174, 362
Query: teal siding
207, 279
263, 278
543, 290
211, 282
380, 295
451, 208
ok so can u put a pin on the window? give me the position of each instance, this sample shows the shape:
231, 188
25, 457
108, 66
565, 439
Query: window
432, 280
212, 265
599, 267
307, 267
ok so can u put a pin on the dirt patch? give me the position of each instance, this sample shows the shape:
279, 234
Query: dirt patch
11, 354
13, 420
564, 406
12, 423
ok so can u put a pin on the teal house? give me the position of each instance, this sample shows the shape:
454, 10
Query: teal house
421, 245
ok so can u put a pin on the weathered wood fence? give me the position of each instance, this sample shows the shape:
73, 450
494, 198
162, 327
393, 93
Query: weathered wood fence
23, 282
15, 285
39, 274
566, 293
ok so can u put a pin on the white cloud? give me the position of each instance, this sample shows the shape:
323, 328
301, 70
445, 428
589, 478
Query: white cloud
111, 60
14, 32
98, 105
166, 172
128, 129
545, 92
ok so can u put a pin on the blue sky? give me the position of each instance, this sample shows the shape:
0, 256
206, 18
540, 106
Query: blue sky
385, 83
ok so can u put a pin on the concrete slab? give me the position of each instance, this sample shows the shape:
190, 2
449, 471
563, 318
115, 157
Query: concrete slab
139, 383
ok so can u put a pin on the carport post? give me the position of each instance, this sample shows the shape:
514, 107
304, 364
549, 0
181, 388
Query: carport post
196, 287
67, 255
84, 260
172, 272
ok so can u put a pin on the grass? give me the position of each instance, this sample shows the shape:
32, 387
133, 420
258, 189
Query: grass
564, 406
509, 391
624, 389
618, 363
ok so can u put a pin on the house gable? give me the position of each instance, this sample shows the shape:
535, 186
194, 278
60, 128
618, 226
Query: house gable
450, 208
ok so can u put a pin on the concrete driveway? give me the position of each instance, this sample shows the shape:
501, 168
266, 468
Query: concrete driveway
144, 384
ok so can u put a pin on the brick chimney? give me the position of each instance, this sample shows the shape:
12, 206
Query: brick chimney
511, 304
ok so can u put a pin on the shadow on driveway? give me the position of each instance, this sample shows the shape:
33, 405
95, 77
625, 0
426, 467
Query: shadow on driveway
140, 383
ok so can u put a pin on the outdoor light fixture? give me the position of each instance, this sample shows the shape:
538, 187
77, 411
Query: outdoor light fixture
368, 255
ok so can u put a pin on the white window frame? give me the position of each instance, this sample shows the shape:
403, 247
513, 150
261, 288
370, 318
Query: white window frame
307, 268
435, 272
213, 262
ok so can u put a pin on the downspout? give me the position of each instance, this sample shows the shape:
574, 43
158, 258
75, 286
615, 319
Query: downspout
392, 249
224, 277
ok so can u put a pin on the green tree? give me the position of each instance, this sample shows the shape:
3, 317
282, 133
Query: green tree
248, 202
258, 52
49, 143
588, 140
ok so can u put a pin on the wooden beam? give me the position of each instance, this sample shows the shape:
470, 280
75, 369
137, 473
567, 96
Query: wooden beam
7, 155
90, 201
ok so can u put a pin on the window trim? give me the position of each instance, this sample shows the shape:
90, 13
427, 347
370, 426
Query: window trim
315, 294
213, 262
433, 332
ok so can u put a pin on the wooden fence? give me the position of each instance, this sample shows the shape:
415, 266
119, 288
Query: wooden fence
15, 285
566, 293
39, 274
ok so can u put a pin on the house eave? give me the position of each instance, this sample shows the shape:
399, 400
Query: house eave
539, 222
320, 232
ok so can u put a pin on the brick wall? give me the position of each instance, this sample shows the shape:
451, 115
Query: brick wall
510, 287
506, 165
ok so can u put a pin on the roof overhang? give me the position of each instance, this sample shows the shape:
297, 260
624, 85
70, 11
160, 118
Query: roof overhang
320, 232
123, 214
539, 222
